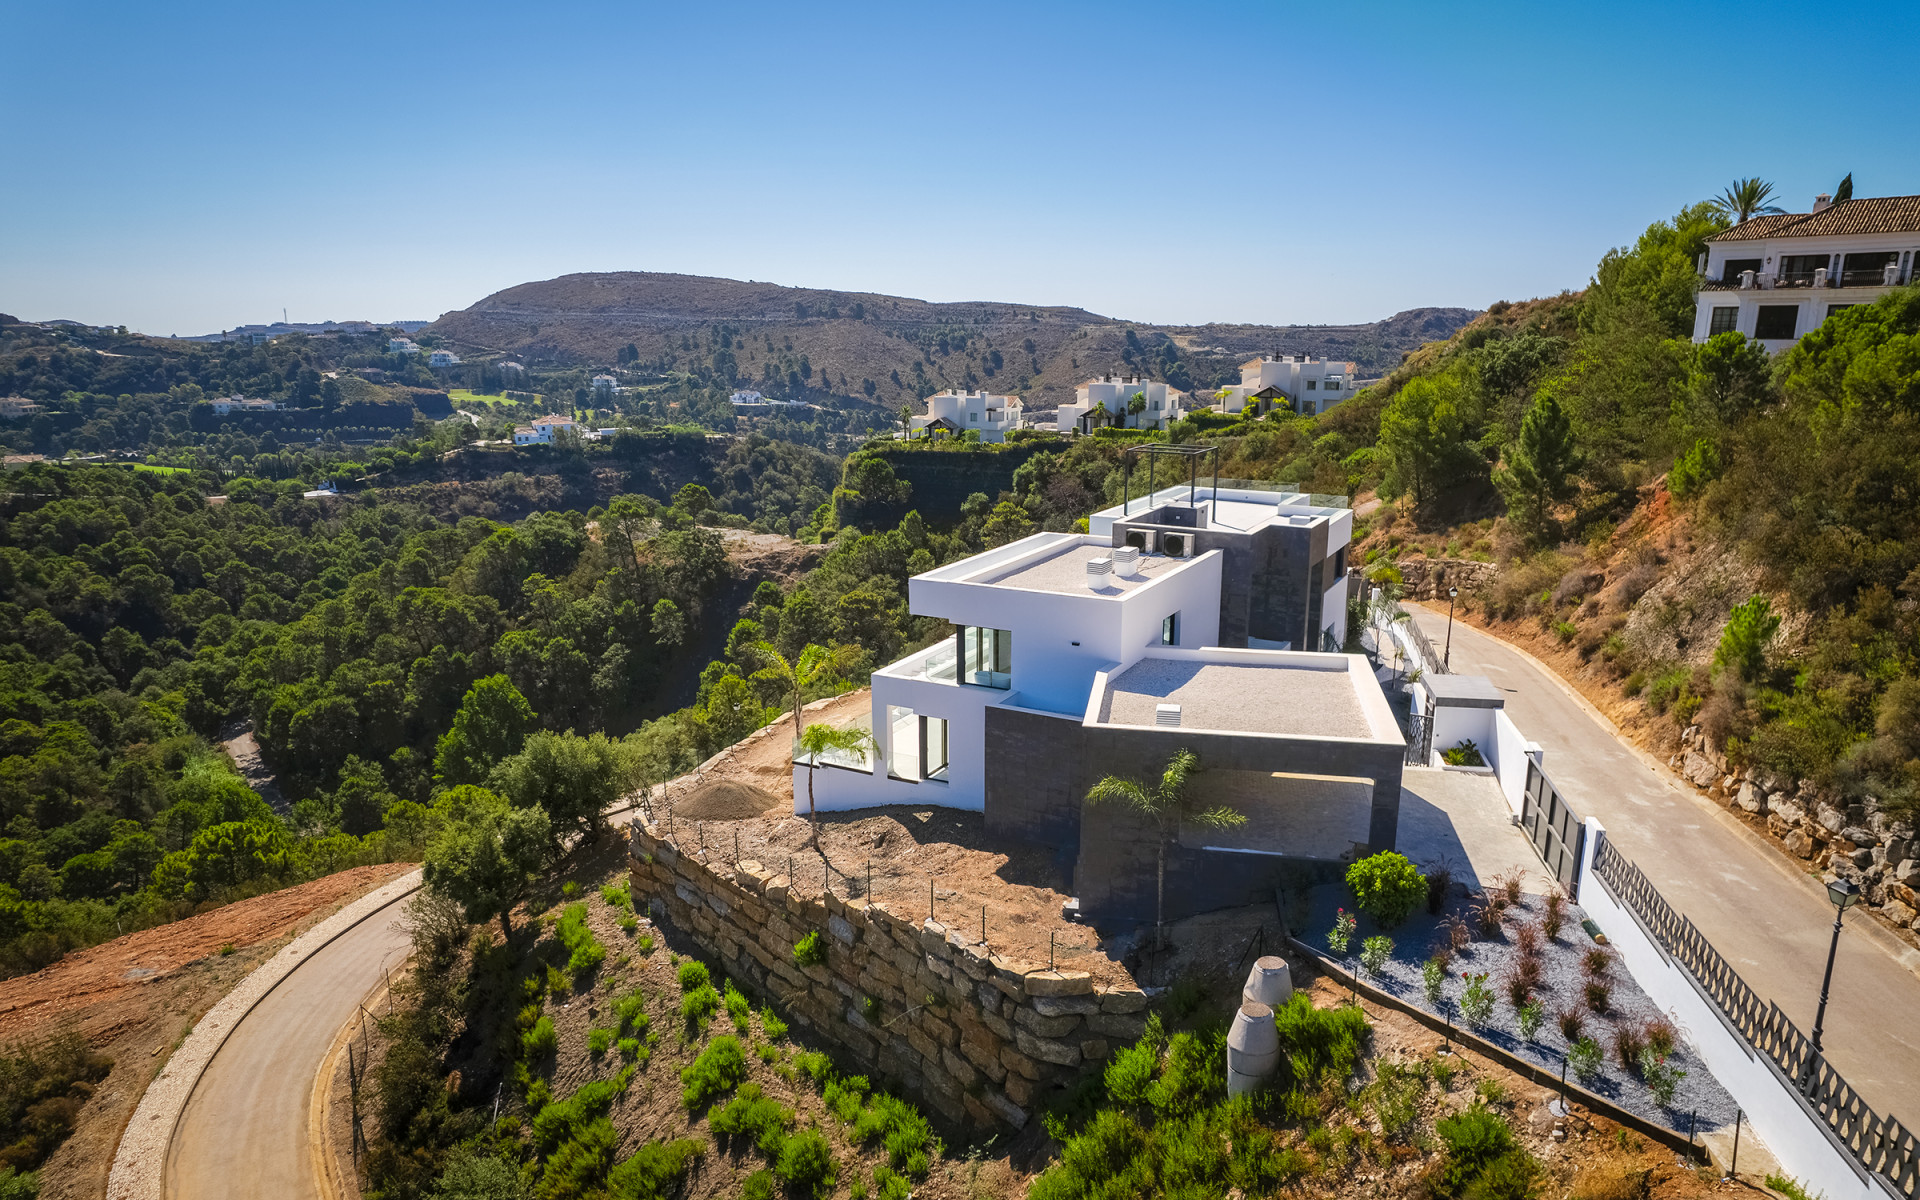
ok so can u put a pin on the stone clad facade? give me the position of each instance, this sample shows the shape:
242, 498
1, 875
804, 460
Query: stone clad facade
978, 1038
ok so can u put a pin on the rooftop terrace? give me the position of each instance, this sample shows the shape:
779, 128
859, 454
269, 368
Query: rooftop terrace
1295, 696
1065, 570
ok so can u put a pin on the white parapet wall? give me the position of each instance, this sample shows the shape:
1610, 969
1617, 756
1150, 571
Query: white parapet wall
1784, 1121
1507, 753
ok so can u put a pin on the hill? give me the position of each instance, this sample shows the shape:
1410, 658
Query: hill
891, 349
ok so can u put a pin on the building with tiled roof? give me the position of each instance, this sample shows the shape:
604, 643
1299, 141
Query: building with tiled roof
1296, 381
1775, 277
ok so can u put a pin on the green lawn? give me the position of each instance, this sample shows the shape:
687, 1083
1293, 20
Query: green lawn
461, 398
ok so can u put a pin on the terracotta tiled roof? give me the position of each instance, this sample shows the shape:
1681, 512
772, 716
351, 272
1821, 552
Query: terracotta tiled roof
1869, 214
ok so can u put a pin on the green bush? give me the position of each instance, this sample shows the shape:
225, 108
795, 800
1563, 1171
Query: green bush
811, 950
1466, 754
771, 1024
1130, 1073
806, 1164
753, 1115
846, 1097
21, 1185
1319, 1043
629, 1048
585, 951
540, 1041
563, 1120
1585, 1057
655, 1170
1375, 953
1474, 1138
694, 974
599, 1041
1790, 1187
718, 1070
42, 1090
815, 1066
737, 1008
631, 1011
697, 1008
758, 1186
1387, 887
889, 1184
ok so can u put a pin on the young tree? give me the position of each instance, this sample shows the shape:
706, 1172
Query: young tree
1538, 470
1424, 435
492, 723
1730, 377
1743, 643
1165, 804
575, 779
1845, 190
814, 665
486, 859
818, 740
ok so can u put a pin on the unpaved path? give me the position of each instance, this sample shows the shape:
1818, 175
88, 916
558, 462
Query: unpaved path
245, 1131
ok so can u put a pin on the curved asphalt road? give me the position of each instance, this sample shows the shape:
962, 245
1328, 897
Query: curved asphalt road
1765, 915
244, 1132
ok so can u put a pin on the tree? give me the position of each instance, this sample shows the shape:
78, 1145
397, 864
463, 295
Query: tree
1743, 643
1165, 804
1845, 190
819, 740
223, 857
669, 624
485, 860
492, 723
1729, 378
1538, 470
1746, 198
575, 779
1423, 433
813, 666
1008, 522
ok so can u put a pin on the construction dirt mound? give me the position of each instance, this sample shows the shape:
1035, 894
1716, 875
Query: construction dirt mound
726, 800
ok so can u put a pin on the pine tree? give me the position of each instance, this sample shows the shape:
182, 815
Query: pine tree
1539, 467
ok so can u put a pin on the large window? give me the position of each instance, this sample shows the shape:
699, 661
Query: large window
1776, 322
1869, 269
917, 747
1724, 320
1730, 270
986, 656
1799, 268
1170, 630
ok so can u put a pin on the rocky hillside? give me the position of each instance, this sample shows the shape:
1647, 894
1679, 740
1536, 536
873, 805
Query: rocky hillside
891, 349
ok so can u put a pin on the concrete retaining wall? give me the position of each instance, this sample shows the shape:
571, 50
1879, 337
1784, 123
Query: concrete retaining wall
979, 1038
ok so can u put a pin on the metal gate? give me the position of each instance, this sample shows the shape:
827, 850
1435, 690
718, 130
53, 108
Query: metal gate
1419, 739
1558, 833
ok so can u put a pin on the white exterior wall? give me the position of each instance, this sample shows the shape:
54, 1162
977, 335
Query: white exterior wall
1164, 404
989, 415
1508, 753
1291, 375
1782, 1119
1811, 302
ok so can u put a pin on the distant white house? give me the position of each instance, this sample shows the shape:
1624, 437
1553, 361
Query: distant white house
227, 404
1296, 381
443, 358
749, 399
1113, 396
956, 411
606, 384
511, 368
744, 398
402, 345
12, 408
543, 430
1776, 277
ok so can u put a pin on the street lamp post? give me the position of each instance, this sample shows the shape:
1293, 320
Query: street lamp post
1446, 659
1844, 893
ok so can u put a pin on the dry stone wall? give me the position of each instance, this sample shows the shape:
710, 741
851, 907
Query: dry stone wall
1858, 841
978, 1038
1429, 578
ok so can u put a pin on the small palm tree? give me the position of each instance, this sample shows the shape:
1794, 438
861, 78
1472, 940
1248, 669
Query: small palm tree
818, 740
1166, 805
1746, 198
815, 666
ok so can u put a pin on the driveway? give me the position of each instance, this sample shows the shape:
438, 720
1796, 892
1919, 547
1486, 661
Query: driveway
1768, 918
244, 1133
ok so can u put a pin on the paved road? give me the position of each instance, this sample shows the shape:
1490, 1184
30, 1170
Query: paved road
1769, 919
244, 1131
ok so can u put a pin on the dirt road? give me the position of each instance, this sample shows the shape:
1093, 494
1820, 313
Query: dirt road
245, 1129
1770, 920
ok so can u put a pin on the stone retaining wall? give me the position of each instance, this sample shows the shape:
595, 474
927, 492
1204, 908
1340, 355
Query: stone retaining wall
978, 1038
1857, 841
1429, 578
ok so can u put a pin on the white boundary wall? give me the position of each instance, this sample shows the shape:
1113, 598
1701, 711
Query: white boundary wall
1508, 750
1795, 1135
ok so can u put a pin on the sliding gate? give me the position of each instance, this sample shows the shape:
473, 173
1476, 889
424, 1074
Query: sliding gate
1557, 832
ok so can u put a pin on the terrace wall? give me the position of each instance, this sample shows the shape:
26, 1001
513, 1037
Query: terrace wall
978, 1038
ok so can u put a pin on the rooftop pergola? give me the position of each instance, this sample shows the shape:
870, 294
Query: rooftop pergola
1155, 451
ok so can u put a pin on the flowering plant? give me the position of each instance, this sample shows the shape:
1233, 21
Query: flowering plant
1476, 1003
1341, 935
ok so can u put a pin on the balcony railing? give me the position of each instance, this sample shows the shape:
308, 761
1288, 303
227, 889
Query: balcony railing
1770, 281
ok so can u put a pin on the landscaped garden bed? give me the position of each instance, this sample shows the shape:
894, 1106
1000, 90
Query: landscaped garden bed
1518, 969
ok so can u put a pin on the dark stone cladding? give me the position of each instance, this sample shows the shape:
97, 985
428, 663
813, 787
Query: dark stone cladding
1271, 580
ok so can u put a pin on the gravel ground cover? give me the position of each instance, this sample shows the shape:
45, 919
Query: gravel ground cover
1699, 1097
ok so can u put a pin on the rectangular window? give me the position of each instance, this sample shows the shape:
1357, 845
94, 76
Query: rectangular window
1730, 270
1799, 268
986, 656
1834, 308
903, 743
933, 747
973, 416
1334, 383
1312, 384
1723, 320
1776, 322
1170, 630
1869, 269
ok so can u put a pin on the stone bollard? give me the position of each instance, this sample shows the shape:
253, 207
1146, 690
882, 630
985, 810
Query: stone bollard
1253, 1049
1269, 983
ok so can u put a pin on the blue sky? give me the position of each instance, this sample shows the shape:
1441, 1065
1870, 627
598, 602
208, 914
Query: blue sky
183, 168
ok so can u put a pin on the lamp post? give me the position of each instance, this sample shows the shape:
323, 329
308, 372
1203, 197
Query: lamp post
1446, 659
1844, 893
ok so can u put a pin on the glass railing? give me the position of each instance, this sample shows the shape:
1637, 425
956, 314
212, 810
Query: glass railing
857, 760
938, 665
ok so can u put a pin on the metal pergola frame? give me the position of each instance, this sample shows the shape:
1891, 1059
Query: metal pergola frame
1155, 451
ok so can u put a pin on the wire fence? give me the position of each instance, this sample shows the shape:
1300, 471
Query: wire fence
1881, 1144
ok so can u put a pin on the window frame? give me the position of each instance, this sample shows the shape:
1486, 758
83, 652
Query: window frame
1714, 327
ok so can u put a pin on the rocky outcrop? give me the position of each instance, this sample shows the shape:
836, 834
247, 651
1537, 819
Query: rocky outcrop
1852, 840
979, 1038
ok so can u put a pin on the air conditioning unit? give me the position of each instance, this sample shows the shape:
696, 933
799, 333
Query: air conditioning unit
1166, 715
1137, 538
1174, 545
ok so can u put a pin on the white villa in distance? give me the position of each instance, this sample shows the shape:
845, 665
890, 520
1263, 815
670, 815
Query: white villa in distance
402, 345
542, 431
227, 404
1113, 393
1306, 385
443, 358
1776, 277
956, 411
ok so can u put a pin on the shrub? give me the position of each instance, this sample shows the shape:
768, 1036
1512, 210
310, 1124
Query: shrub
645, 944
1458, 932
1466, 754
1386, 886
1439, 883
899, 1126
20, 1185
697, 1008
846, 1097
1661, 1036
1596, 962
1474, 1138
1555, 914
1341, 935
806, 1164
585, 951
1517, 988
1476, 1002
1375, 952
42, 1090
1486, 918
1661, 1077
540, 1041
1790, 1187
1131, 1072
1433, 977
630, 1011
1509, 884
570, 889
719, 1069
1319, 1043
599, 1041
1629, 1039
1599, 995
737, 1008
1584, 1058
1531, 1015
757, 1117
629, 1049
616, 895
758, 1186
771, 1024
889, 1184
811, 950
655, 1169
1743, 643
694, 975
1572, 1021
563, 1120
1526, 939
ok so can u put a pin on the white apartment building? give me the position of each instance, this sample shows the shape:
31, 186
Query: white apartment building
402, 345
956, 411
1112, 395
1776, 277
1305, 385
443, 358
12, 408
605, 384
542, 431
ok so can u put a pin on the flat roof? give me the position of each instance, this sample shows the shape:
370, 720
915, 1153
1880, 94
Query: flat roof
1065, 570
1463, 691
1281, 697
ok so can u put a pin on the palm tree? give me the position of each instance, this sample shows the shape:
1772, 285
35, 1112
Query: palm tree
816, 665
1746, 198
817, 740
1166, 805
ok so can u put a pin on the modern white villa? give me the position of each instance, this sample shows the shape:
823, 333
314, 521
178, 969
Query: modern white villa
956, 411
226, 404
1777, 277
1296, 381
1112, 397
1191, 618
542, 431
443, 358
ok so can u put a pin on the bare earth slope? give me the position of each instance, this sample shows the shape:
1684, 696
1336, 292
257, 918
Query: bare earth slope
850, 338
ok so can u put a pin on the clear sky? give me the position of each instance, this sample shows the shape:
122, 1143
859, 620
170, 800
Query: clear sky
186, 167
